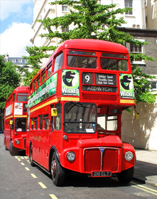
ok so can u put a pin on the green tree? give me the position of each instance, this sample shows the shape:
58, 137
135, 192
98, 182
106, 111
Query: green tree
95, 21
9, 80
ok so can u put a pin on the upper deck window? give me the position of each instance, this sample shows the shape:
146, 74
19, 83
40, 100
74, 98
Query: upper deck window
22, 97
81, 59
58, 62
49, 70
114, 62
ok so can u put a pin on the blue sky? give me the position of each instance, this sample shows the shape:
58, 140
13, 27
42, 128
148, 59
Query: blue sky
16, 18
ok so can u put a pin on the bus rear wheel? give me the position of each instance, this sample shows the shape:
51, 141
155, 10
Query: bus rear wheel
126, 176
57, 171
13, 151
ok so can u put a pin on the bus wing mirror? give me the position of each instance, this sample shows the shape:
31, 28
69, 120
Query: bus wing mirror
53, 112
11, 122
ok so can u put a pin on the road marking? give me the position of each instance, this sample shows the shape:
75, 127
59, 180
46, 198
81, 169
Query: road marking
26, 157
34, 176
28, 161
22, 163
144, 188
42, 185
27, 168
22, 157
53, 196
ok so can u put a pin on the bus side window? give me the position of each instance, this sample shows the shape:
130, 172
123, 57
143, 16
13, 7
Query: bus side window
34, 85
35, 122
58, 62
43, 76
46, 121
14, 97
32, 123
40, 122
58, 118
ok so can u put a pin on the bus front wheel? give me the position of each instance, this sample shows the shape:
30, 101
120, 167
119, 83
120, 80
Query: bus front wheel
126, 176
13, 151
31, 156
57, 171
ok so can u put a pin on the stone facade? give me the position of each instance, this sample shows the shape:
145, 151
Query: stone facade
142, 132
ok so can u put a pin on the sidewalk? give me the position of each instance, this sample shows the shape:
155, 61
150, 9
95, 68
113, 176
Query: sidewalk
146, 167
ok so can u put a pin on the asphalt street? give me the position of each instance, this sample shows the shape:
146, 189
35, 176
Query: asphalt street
18, 179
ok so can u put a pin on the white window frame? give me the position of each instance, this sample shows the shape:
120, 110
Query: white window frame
128, 7
134, 52
65, 8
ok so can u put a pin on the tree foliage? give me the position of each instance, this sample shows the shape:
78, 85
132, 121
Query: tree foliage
92, 20
9, 80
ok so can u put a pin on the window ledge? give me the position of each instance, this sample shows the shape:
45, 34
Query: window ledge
130, 16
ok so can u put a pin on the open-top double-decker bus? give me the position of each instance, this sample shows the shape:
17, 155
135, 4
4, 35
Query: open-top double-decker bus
15, 115
74, 111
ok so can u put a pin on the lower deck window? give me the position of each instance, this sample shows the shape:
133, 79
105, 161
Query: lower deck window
107, 122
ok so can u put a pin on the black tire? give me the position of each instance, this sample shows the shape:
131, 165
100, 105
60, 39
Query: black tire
57, 171
126, 176
13, 151
31, 156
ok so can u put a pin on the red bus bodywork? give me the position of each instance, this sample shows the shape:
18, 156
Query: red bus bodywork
90, 91
15, 115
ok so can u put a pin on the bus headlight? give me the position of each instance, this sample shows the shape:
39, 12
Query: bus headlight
17, 141
128, 155
71, 156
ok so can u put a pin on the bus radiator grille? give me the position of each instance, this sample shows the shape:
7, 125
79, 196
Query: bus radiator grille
110, 160
99, 97
95, 160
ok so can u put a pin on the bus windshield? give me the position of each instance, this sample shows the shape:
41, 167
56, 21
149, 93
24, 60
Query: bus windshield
22, 97
20, 124
81, 59
79, 117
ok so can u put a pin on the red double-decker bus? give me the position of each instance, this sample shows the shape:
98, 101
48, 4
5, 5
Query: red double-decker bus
75, 106
15, 115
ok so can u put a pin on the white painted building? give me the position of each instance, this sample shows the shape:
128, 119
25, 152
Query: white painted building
42, 10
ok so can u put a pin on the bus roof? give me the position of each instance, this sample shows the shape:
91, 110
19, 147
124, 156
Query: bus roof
20, 89
92, 44
87, 44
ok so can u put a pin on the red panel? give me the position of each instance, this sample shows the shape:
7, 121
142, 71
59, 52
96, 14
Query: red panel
110, 160
92, 160
99, 97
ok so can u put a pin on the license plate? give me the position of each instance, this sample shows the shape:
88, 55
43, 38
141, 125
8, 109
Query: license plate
101, 173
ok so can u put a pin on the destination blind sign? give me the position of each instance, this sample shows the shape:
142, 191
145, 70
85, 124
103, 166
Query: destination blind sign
105, 79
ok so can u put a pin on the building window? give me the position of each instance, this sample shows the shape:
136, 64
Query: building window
134, 49
65, 7
14, 60
145, 3
154, 86
65, 29
20, 60
129, 4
